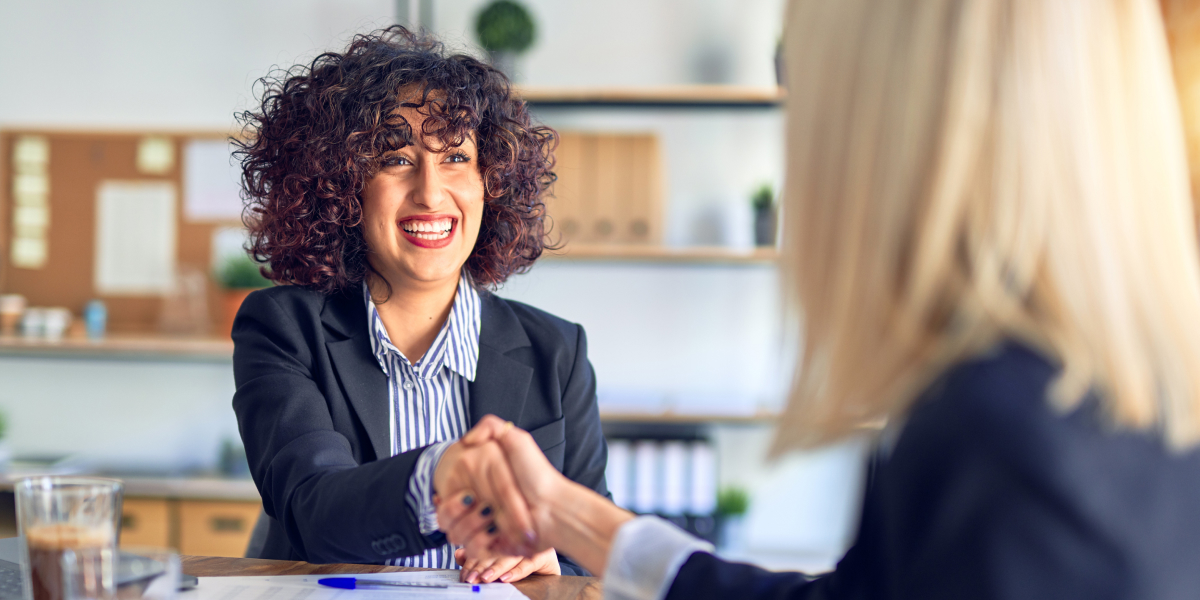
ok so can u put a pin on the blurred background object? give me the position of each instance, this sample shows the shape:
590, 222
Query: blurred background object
505, 29
1182, 19
765, 215
238, 275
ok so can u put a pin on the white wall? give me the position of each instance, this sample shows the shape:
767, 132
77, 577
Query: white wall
191, 64
146, 63
637, 42
131, 414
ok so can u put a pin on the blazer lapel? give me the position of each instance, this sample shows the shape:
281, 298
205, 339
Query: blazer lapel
364, 383
501, 382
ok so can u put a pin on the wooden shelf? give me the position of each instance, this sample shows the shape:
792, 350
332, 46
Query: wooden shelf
671, 417
663, 254
680, 96
147, 346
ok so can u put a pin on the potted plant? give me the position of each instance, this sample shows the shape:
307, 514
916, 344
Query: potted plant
505, 29
732, 504
763, 201
239, 275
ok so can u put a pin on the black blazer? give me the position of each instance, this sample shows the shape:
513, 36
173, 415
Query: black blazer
311, 405
989, 493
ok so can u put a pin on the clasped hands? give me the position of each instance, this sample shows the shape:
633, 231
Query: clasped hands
491, 488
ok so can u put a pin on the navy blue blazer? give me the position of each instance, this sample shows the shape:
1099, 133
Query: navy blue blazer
311, 405
991, 494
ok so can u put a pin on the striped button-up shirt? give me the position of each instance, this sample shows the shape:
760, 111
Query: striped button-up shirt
428, 404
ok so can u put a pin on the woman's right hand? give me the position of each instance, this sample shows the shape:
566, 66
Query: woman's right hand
567, 516
476, 494
534, 477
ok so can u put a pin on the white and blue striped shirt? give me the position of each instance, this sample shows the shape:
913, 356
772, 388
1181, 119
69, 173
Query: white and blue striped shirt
428, 404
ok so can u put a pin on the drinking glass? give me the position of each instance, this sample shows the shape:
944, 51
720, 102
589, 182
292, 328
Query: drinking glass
142, 573
75, 515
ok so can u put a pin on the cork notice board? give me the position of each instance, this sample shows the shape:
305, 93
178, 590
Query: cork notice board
78, 164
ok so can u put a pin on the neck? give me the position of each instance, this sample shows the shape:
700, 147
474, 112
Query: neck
413, 314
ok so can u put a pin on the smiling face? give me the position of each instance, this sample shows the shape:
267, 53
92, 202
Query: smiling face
422, 210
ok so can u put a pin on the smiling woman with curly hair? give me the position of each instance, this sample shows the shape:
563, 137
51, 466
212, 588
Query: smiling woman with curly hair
388, 188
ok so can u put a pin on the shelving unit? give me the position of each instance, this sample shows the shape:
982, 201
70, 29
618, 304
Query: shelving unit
144, 346
687, 418
698, 255
681, 96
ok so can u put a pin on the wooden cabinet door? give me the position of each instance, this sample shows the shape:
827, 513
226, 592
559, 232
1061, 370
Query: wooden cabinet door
609, 190
216, 528
145, 522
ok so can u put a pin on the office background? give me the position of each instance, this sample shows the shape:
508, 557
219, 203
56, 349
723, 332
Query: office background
698, 337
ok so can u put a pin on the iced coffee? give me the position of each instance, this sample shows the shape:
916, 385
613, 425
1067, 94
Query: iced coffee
69, 526
85, 551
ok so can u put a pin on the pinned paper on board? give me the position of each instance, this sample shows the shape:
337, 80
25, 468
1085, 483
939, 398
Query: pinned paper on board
31, 193
212, 188
31, 152
156, 155
135, 238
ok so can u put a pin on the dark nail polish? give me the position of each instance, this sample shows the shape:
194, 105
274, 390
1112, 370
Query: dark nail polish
468, 500
487, 510
491, 528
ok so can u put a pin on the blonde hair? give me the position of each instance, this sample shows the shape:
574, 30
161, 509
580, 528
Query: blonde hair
961, 171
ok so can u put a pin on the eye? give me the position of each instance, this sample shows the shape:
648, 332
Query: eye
395, 160
458, 157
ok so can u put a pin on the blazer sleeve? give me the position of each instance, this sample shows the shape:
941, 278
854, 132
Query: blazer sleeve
586, 453
963, 508
332, 508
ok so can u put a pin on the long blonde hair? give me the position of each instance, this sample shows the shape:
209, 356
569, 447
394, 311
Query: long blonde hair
961, 171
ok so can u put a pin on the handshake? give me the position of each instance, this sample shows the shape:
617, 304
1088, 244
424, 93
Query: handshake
499, 498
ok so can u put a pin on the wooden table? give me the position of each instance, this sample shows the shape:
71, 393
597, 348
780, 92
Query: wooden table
537, 587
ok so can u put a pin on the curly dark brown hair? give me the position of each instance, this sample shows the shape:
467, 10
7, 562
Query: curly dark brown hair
323, 128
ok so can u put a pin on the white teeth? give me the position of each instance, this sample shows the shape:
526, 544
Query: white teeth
428, 230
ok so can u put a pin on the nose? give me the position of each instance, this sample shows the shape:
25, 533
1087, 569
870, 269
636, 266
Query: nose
429, 190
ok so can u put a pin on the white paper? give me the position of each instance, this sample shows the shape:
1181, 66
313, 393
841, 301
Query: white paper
32, 217
31, 151
155, 155
305, 587
211, 182
31, 185
135, 238
29, 252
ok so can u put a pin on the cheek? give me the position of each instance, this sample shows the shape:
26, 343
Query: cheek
375, 223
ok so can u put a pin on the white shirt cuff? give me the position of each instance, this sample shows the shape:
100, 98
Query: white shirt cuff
645, 556
420, 487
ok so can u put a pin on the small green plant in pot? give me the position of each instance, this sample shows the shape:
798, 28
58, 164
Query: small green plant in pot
239, 275
505, 29
732, 504
763, 202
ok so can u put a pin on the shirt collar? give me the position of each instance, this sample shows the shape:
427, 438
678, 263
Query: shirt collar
456, 345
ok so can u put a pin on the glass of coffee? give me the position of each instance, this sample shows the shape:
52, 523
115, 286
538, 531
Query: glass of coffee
78, 517
143, 573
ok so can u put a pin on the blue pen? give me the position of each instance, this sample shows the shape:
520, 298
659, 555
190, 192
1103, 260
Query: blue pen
352, 583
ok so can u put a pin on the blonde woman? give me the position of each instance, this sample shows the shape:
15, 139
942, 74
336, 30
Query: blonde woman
989, 242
